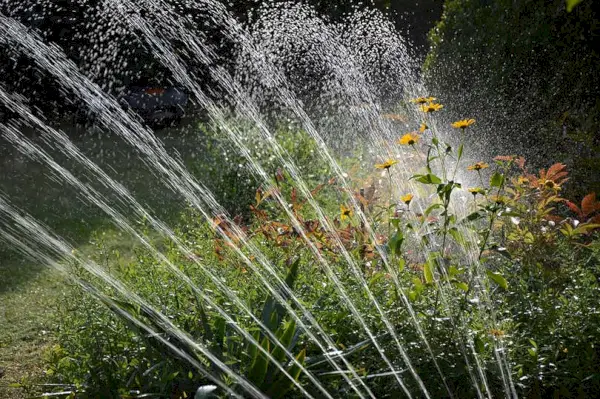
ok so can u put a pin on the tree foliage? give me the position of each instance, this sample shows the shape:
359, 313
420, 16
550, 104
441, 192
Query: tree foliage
529, 67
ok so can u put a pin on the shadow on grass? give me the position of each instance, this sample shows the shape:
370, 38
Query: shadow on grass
31, 187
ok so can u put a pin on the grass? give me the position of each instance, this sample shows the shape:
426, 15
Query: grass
28, 299
30, 293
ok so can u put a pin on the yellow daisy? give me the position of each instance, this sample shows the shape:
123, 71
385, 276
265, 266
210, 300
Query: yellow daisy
345, 212
430, 107
407, 198
409, 139
422, 100
463, 124
386, 165
476, 190
478, 166
423, 127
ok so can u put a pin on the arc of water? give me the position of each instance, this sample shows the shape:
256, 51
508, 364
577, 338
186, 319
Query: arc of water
276, 79
23, 225
380, 127
92, 96
243, 102
33, 151
306, 192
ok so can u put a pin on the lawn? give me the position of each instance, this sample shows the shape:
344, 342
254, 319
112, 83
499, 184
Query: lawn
31, 293
29, 296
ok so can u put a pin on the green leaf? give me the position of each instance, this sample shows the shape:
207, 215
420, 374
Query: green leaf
418, 284
473, 216
429, 178
457, 235
290, 279
571, 4
461, 285
283, 384
460, 151
401, 264
413, 295
453, 271
498, 279
259, 367
428, 272
252, 351
285, 339
479, 344
497, 179
431, 208
396, 241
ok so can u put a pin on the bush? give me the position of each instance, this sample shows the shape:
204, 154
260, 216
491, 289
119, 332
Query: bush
527, 69
496, 298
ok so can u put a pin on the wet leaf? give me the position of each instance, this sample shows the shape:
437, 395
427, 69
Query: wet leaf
429, 178
461, 285
428, 272
498, 279
479, 344
497, 179
259, 367
285, 338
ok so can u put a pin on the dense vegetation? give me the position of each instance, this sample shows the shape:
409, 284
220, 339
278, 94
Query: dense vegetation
529, 69
510, 284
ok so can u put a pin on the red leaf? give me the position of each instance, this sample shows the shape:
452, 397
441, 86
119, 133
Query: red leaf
555, 170
574, 208
589, 204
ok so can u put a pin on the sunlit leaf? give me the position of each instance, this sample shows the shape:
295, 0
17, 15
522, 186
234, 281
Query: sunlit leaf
285, 338
571, 4
427, 179
497, 179
428, 272
498, 279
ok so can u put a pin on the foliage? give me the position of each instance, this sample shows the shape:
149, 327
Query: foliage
533, 58
509, 283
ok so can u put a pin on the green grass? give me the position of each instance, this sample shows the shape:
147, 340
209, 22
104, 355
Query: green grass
31, 293
30, 297
28, 300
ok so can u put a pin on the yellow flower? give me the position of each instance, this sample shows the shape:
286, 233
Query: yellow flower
386, 165
423, 127
478, 166
476, 190
406, 198
409, 139
422, 100
345, 212
499, 199
431, 107
550, 184
463, 124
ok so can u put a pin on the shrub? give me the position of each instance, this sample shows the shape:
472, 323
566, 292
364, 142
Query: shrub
496, 298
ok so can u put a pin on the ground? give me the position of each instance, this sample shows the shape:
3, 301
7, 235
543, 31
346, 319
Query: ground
30, 293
